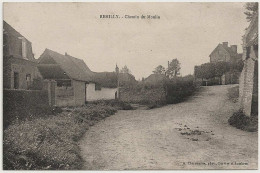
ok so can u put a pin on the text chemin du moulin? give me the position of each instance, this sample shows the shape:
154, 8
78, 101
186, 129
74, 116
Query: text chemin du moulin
114, 16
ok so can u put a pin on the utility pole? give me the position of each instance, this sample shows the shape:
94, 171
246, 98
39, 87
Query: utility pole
118, 84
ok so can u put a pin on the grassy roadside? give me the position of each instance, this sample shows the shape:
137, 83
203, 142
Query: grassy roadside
239, 119
52, 142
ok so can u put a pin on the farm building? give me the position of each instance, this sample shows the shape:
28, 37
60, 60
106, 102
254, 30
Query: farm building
76, 83
248, 84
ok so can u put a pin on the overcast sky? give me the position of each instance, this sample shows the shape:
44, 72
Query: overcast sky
187, 31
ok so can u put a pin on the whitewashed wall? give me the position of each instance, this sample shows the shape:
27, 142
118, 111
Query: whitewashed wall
103, 94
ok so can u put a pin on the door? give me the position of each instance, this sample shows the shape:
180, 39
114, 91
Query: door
16, 80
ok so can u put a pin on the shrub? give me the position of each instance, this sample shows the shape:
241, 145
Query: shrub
179, 89
233, 93
51, 142
158, 94
118, 104
243, 122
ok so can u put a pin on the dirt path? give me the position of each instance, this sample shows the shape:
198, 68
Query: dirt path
190, 135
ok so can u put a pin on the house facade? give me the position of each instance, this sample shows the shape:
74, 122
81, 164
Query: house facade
20, 66
248, 83
76, 83
225, 53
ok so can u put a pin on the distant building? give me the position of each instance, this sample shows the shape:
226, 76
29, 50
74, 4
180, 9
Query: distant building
248, 84
20, 66
225, 53
156, 79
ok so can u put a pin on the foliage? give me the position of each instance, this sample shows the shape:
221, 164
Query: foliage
155, 95
221, 68
125, 69
50, 143
211, 70
179, 89
159, 70
118, 104
144, 94
174, 68
243, 122
251, 9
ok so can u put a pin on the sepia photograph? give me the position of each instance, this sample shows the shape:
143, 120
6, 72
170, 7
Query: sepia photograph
112, 86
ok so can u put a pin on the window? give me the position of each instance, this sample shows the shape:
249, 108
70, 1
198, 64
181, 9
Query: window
24, 50
28, 77
65, 83
16, 80
97, 87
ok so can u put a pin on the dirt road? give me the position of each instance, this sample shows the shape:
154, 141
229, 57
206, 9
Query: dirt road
189, 135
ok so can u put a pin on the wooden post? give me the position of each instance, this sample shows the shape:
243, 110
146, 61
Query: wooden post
50, 86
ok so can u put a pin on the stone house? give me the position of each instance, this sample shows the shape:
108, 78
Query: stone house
76, 83
20, 66
224, 53
248, 84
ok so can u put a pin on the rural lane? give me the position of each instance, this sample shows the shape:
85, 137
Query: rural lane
194, 134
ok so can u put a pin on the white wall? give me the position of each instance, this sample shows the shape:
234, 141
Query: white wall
103, 94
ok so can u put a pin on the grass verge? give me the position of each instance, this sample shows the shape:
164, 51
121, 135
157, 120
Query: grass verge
243, 122
51, 143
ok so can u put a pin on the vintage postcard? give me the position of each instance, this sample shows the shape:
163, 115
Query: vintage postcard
130, 86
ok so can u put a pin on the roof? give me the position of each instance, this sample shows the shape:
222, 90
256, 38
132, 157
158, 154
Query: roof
73, 67
156, 78
53, 65
228, 49
11, 31
52, 71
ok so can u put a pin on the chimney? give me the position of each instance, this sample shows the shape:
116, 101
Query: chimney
168, 64
66, 54
225, 44
234, 48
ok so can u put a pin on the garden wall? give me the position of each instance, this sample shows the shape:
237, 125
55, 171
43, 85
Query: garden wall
24, 104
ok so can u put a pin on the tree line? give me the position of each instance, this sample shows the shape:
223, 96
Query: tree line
173, 69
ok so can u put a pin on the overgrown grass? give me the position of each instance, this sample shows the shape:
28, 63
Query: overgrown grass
50, 143
243, 122
118, 104
233, 93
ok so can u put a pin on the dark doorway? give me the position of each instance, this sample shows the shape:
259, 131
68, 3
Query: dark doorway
16, 80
